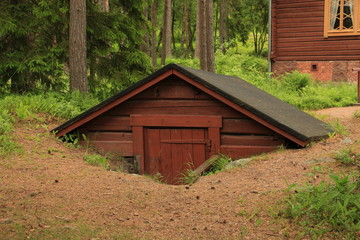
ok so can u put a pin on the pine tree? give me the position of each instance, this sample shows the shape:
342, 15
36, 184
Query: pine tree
77, 46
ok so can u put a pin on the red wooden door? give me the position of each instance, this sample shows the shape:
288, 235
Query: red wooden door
171, 151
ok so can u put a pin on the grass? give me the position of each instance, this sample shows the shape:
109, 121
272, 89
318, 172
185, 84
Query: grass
97, 160
328, 209
347, 156
27, 108
188, 177
339, 128
219, 164
356, 114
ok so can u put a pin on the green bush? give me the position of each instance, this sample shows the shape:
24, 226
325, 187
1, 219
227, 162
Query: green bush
327, 207
97, 160
296, 81
348, 157
25, 107
219, 164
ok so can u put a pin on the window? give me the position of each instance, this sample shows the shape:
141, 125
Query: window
342, 17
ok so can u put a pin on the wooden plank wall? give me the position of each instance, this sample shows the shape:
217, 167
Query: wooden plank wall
298, 34
240, 135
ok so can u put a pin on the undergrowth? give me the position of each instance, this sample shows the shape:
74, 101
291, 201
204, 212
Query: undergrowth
189, 176
348, 156
97, 160
25, 108
219, 165
328, 209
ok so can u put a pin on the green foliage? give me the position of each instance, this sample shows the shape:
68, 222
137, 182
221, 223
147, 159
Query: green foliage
296, 81
188, 177
26, 107
97, 160
250, 16
339, 128
157, 177
218, 165
29, 54
356, 114
328, 207
347, 156
34, 46
114, 38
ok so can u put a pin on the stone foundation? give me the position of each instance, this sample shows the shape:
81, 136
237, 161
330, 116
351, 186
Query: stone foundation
339, 71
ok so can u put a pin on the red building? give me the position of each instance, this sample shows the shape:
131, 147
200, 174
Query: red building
178, 117
320, 37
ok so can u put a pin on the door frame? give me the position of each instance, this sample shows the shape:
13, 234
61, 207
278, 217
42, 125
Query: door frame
139, 121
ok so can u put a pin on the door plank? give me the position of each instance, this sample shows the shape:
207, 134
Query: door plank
165, 155
200, 150
176, 155
187, 150
152, 150
138, 146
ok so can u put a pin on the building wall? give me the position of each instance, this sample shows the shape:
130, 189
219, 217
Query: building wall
240, 135
338, 71
298, 42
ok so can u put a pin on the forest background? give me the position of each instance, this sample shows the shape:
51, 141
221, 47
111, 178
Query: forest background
102, 46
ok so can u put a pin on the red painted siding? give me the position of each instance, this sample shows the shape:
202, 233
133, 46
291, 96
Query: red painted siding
298, 34
240, 136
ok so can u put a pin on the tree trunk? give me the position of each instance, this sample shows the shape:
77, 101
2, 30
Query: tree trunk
184, 30
222, 25
202, 35
166, 38
197, 31
77, 46
145, 46
173, 26
210, 36
153, 35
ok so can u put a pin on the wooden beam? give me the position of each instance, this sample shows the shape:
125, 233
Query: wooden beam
175, 121
205, 166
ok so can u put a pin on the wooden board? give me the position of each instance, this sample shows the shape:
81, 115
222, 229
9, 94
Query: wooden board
176, 121
298, 34
244, 126
236, 152
105, 123
121, 148
109, 136
251, 140
172, 89
178, 107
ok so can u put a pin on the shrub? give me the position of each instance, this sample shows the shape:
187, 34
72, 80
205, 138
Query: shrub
219, 164
356, 114
328, 207
97, 160
348, 157
188, 177
296, 81
25, 107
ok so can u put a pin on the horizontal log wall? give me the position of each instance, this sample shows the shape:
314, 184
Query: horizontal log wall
240, 135
298, 34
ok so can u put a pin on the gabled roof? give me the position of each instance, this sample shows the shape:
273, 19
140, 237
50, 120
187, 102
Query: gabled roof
245, 97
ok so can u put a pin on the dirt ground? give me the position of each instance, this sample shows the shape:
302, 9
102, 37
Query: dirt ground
48, 192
